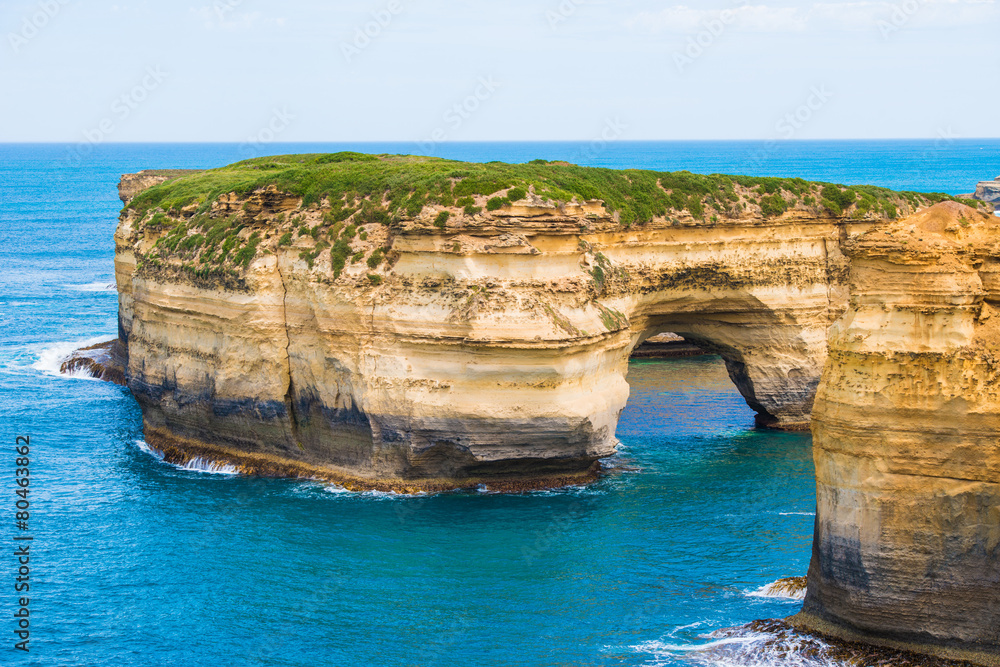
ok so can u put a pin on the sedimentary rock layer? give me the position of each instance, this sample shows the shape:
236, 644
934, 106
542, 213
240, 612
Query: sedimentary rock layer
905, 432
988, 191
450, 338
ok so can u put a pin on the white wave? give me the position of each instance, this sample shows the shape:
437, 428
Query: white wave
79, 374
152, 451
196, 464
100, 286
199, 464
338, 490
742, 647
797, 513
389, 495
681, 628
51, 358
576, 490
780, 590
657, 647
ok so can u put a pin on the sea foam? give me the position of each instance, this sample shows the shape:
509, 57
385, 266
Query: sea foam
100, 286
196, 464
760, 644
51, 357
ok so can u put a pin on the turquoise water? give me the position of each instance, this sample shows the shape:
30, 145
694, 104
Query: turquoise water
136, 562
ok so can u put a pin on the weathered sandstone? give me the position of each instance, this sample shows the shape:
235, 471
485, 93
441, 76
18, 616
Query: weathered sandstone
132, 184
905, 430
988, 191
447, 346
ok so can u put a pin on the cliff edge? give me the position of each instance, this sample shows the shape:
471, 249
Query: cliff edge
988, 191
905, 426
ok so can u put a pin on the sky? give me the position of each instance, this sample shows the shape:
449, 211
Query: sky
432, 71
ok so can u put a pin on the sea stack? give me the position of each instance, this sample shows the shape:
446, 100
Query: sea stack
905, 429
988, 191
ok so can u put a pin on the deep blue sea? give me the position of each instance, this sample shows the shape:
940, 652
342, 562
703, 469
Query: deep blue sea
136, 562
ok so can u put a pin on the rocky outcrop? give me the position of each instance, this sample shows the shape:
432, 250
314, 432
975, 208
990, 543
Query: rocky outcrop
104, 361
406, 340
988, 191
376, 339
132, 184
905, 430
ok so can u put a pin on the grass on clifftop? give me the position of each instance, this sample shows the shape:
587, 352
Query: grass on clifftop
381, 188
346, 196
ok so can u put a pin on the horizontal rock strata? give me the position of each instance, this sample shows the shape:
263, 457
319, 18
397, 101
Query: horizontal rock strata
454, 338
988, 191
905, 432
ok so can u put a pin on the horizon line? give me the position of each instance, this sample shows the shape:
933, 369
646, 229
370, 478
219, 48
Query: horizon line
495, 141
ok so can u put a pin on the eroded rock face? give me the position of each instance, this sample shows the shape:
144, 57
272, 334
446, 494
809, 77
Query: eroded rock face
493, 348
905, 432
132, 184
989, 191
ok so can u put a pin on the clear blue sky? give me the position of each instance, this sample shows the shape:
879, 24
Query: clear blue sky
228, 70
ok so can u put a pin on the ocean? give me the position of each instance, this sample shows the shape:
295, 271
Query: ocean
138, 562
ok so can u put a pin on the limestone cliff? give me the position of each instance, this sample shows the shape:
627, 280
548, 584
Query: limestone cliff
988, 191
132, 184
411, 322
905, 430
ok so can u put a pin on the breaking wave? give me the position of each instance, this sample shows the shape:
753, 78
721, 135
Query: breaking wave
375, 495
792, 588
100, 286
759, 644
196, 464
51, 358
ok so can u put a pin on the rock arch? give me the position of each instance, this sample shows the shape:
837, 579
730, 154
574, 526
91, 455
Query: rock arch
493, 355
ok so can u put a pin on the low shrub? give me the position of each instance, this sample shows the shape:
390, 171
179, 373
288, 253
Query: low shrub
773, 205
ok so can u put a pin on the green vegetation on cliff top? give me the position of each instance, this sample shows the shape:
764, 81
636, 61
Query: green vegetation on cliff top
382, 188
344, 192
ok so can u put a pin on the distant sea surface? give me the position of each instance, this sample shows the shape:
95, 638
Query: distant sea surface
136, 562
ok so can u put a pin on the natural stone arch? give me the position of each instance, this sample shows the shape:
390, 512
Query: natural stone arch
775, 366
497, 355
